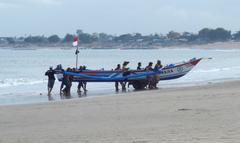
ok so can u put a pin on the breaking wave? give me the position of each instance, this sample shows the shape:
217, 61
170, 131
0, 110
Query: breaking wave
211, 70
19, 81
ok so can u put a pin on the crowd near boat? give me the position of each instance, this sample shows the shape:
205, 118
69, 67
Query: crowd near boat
140, 78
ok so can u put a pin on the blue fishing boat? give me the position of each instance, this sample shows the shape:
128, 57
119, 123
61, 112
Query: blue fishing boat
138, 78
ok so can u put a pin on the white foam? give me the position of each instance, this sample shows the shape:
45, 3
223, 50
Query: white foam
19, 81
211, 70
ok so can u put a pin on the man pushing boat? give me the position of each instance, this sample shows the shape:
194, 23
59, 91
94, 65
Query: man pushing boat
51, 79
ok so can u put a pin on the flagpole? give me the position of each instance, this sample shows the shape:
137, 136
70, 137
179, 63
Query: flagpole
75, 44
77, 57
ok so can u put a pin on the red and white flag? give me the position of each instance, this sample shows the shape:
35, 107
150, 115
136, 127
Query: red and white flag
75, 41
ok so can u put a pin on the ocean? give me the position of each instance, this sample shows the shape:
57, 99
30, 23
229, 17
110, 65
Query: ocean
22, 78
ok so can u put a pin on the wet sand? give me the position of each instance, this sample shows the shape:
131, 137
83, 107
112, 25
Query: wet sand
200, 114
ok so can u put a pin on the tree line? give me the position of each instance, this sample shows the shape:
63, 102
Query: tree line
205, 35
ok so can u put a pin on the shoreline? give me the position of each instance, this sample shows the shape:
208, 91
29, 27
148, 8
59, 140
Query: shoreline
112, 92
201, 114
217, 45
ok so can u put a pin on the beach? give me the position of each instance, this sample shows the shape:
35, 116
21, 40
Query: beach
199, 114
28, 83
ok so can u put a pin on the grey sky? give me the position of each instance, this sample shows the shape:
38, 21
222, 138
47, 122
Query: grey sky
46, 17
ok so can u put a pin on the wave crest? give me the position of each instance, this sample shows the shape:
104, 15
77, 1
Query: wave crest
19, 81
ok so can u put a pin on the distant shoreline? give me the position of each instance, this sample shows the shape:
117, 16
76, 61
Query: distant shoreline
217, 45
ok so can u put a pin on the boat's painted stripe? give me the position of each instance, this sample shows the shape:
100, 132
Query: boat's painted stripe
122, 78
111, 76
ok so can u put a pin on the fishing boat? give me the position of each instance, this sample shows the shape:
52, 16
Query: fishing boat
138, 78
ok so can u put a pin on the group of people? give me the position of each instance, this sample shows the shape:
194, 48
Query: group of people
67, 80
152, 80
125, 71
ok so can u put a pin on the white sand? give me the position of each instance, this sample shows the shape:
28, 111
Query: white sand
203, 114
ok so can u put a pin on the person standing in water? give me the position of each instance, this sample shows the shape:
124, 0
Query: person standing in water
118, 68
80, 83
156, 78
84, 68
51, 79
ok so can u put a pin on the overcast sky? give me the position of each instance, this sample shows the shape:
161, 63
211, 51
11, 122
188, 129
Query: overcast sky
46, 17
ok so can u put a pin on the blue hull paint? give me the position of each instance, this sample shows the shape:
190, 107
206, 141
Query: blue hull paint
167, 73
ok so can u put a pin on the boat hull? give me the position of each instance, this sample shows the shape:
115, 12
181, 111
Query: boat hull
172, 71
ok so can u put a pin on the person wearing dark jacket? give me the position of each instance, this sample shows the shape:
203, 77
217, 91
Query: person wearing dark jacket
67, 82
51, 79
139, 67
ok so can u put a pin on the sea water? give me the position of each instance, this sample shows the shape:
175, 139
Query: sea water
22, 78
